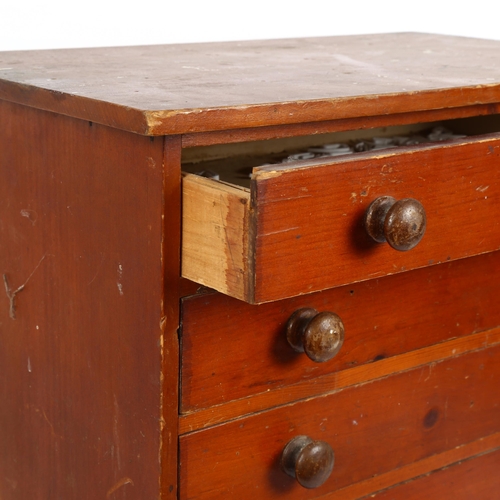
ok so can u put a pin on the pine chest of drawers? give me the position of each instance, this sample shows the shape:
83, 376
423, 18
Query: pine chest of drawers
251, 270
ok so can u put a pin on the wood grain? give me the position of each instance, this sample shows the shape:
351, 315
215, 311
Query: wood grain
373, 428
216, 235
232, 350
336, 381
305, 220
80, 224
309, 217
365, 489
474, 478
317, 128
176, 89
171, 205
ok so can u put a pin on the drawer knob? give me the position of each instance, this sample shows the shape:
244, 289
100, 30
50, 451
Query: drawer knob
401, 223
319, 334
310, 462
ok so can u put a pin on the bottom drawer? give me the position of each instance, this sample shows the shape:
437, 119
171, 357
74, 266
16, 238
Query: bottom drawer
476, 478
373, 428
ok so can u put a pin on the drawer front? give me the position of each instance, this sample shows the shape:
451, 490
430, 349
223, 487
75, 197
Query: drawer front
373, 428
233, 350
474, 478
300, 228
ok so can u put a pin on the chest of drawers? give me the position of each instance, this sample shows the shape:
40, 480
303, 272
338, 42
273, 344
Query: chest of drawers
202, 299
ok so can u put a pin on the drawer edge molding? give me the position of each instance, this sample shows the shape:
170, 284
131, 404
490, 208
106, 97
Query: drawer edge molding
327, 384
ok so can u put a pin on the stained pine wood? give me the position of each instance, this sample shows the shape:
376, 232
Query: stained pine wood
80, 249
169, 323
232, 350
310, 219
422, 467
174, 89
306, 228
325, 127
473, 478
373, 428
335, 381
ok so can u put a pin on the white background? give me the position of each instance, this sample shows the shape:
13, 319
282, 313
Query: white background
30, 24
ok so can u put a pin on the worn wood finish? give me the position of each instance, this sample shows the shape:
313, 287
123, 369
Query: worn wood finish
218, 215
175, 89
308, 216
329, 126
335, 381
309, 219
474, 478
80, 249
90, 244
373, 428
420, 467
170, 320
232, 350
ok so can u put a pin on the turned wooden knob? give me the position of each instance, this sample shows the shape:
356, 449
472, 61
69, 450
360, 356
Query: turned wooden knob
310, 462
401, 223
319, 335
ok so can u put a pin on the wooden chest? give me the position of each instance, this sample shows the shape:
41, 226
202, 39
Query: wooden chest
251, 270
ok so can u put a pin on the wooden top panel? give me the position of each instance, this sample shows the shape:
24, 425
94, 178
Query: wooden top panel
175, 89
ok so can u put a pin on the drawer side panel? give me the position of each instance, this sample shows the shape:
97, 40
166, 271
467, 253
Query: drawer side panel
215, 236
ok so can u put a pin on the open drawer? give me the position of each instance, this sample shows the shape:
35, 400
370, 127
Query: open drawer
300, 226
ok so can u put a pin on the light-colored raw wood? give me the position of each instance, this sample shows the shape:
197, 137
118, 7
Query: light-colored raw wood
336, 381
301, 224
216, 235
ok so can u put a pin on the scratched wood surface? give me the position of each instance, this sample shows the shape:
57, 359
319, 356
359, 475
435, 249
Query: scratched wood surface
306, 218
175, 89
233, 350
335, 381
81, 229
474, 478
313, 128
373, 428
172, 288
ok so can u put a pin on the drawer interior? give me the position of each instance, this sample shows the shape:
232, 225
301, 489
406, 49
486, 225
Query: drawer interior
233, 163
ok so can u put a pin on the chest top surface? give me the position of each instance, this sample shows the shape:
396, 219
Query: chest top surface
171, 89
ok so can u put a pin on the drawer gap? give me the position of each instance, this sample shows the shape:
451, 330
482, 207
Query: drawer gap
233, 163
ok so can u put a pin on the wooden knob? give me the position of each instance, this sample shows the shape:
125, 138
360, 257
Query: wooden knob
319, 335
401, 223
310, 462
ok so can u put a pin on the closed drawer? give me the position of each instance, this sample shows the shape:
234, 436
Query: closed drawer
299, 228
474, 478
232, 350
373, 428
